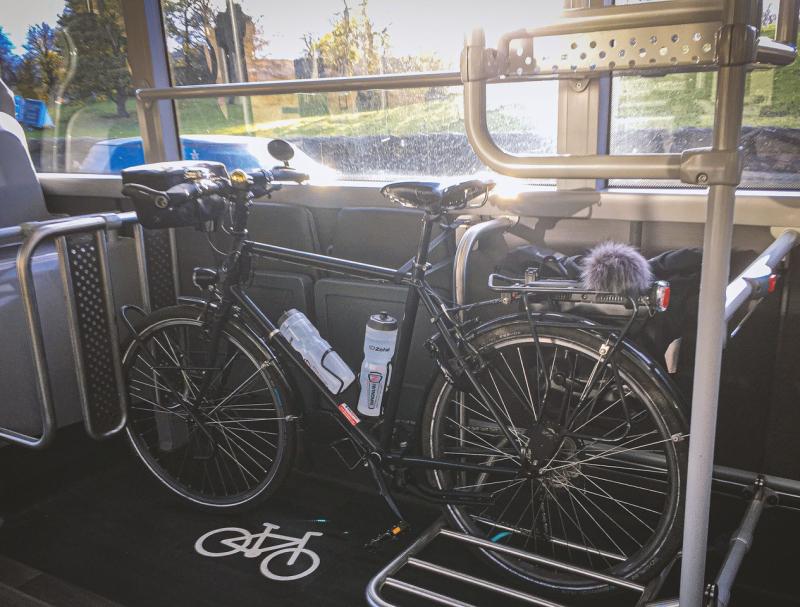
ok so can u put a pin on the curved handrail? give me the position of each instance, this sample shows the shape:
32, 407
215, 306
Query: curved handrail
639, 166
37, 233
465, 246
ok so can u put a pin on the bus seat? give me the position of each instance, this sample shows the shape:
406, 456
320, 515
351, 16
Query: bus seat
7, 103
21, 197
22, 200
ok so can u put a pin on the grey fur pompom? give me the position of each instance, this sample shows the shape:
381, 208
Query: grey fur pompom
616, 267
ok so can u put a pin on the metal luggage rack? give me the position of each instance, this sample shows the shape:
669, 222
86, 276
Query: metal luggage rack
653, 39
91, 317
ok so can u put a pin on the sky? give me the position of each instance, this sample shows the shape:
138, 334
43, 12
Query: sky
16, 20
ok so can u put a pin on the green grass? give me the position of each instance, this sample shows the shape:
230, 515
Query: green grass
436, 116
96, 120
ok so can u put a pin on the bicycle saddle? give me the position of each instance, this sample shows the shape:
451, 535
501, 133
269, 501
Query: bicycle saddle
438, 196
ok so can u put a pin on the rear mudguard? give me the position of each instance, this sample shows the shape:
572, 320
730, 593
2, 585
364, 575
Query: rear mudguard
627, 348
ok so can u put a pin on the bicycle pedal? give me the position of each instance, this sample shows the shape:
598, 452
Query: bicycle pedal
352, 460
390, 534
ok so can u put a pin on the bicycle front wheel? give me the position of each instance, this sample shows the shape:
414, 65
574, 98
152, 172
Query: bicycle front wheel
606, 444
238, 444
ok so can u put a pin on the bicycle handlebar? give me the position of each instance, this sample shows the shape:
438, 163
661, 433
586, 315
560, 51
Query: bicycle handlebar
260, 181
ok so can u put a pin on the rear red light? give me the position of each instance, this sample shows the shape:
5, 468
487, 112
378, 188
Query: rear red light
772, 283
662, 296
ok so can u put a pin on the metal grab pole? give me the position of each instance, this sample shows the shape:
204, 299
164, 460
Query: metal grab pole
711, 330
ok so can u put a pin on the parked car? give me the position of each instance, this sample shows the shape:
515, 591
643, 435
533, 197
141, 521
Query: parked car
234, 151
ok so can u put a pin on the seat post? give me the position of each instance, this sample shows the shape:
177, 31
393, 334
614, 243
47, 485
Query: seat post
406, 331
421, 257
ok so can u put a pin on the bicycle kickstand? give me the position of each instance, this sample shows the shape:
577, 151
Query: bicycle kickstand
383, 489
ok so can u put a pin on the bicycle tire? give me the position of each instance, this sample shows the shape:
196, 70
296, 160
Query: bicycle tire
563, 481
244, 449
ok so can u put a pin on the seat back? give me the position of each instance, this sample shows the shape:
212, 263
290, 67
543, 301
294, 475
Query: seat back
21, 197
386, 237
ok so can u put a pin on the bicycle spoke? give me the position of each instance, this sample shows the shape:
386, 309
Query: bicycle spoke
516, 381
593, 519
528, 386
504, 408
234, 392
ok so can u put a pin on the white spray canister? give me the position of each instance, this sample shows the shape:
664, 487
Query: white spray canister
318, 354
379, 344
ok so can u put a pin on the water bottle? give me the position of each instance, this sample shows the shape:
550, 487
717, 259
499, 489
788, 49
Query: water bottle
379, 342
318, 354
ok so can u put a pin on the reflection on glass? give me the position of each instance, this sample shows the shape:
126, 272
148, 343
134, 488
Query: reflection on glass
66, 62
374, 134
676, 112
361, 135
254, 40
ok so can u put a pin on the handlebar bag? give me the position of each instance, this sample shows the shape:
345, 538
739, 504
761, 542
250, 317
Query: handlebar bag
174, 212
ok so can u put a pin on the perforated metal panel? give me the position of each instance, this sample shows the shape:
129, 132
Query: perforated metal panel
94, 332
159, 270
670, 47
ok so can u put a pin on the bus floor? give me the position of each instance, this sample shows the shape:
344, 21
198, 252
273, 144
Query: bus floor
87, 515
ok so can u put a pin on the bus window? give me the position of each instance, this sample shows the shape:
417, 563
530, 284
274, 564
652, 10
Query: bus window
66, 63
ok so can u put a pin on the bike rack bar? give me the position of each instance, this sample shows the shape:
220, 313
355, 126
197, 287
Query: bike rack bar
35, 234
753, 281
481, 583
740, 543
380, 579
424, 593
581, 46
387, 576
542, 560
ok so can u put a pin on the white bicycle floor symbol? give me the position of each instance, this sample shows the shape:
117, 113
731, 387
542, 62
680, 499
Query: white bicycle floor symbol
228, 541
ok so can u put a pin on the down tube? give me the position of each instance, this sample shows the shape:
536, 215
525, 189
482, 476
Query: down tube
273, 337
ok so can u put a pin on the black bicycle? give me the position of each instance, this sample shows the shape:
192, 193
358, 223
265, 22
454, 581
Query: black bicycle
542, 430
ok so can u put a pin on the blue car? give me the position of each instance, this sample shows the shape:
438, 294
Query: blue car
234, 151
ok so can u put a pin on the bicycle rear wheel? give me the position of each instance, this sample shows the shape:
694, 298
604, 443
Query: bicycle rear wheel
607, 494
237, 447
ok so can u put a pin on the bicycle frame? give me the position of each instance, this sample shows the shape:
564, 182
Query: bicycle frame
378, 452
